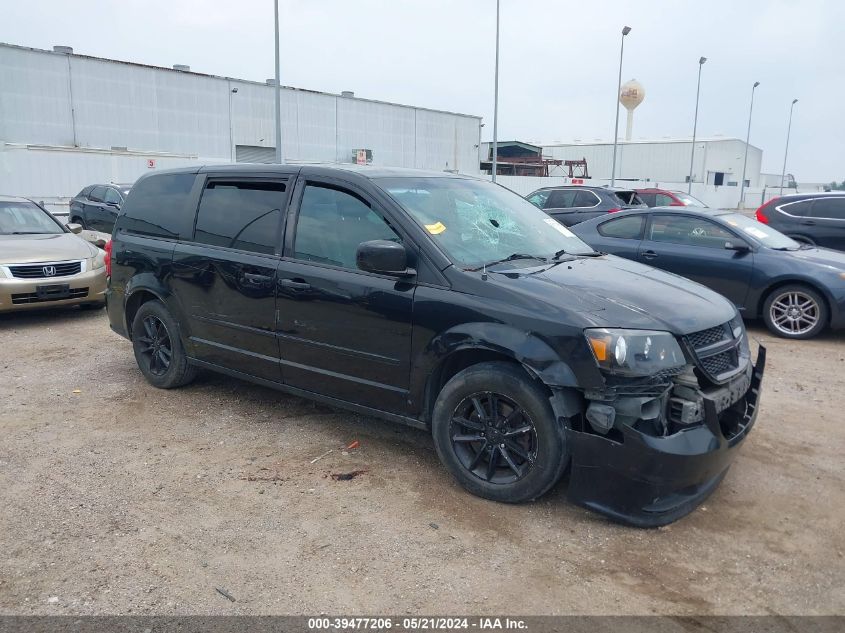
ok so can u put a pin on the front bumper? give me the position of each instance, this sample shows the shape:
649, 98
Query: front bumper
648, 481
23, 294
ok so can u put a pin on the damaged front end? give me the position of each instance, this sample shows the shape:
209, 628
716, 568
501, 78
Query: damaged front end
646, 450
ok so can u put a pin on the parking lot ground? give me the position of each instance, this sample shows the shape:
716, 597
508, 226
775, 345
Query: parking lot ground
119, 498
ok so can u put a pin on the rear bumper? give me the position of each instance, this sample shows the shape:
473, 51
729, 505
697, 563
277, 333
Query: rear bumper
23, 294
649, 481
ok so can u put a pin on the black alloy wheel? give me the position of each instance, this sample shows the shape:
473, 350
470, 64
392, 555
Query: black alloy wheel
493, 438
155, 345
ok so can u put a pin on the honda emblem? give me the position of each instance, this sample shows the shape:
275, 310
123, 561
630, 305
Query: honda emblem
49, 271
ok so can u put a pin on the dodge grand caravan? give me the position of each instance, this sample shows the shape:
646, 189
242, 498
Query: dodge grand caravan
452, 305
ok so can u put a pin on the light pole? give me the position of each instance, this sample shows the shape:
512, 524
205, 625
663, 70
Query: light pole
747, 139
496, 101
232, 155
625, 31
786, 150
278, 88
695, 123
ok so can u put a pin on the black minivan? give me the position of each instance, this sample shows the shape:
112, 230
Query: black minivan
450, 304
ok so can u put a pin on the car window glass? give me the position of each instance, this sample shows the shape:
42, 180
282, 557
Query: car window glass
692, 231
799, 209
627, 197
84, 193
561, 199
25, 218
241, 214
829, 208
332, 223
539, 198
629, 228
111, 196
158, 207
663, 200
97, 193
586, 199
649, 198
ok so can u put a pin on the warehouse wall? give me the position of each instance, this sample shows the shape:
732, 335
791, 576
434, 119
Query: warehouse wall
76, 104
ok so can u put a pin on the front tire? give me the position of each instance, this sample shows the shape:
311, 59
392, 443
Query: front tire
795, 311
495, 431
158, 348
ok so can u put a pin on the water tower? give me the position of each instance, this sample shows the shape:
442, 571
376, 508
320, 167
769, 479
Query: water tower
631, 94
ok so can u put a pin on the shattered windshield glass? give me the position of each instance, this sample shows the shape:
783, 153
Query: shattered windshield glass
479, 224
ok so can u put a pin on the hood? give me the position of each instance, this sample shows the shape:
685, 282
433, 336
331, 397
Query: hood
610, 291
24, 249
833, 261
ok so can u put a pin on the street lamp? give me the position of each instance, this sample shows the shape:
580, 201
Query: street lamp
496, 101
277, 88
786, 150
625, 31
232, 156
747, 139
695, 123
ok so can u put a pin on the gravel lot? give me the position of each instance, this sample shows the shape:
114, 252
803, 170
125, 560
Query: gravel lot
119, 498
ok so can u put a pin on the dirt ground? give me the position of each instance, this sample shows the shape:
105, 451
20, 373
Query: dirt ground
119, 498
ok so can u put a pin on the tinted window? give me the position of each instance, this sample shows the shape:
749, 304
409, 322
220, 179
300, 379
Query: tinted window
799, 209
829, 208
331, 225
241, 214
97, 193
561, 199
629, 228
693, 231
539, 198
85, 191
111, 196
586, 199
649, 198
158, 206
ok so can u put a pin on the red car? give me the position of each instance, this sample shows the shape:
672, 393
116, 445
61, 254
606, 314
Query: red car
666, 198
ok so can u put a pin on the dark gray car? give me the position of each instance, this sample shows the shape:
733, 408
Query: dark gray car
572, 204
811, 218
96, 206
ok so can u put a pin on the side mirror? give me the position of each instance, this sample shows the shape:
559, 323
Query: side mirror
74, 228
736, 245
383, 256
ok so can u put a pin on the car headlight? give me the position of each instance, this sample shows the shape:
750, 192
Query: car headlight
634, 352
99, 259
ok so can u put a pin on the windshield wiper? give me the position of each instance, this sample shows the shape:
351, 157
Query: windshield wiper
563, 252
25, 233
510, 258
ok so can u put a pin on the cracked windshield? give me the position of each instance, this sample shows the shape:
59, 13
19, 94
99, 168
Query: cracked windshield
481, 224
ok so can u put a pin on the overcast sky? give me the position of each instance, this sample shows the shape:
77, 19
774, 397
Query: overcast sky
559, 59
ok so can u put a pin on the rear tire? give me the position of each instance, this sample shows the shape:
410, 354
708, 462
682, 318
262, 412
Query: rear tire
158, 347
795, 311
495, 431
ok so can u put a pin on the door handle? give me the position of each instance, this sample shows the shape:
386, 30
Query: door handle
294, 284
809, 222
649, 254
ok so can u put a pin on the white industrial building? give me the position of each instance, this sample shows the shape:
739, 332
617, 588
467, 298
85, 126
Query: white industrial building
718, 160
69, 120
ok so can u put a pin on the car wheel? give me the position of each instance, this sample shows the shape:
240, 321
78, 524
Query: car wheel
795, 311
158, 348
495, 431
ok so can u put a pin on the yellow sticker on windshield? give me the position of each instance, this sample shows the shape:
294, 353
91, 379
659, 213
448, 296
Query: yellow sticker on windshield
435, 229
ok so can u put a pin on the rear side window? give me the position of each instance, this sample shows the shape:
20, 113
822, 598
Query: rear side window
158, 207
663, 200
649, 198
241, 214
97, 193
798, 209
586, 199
833, 208
561, 199
84, 193
538, 199
628, 228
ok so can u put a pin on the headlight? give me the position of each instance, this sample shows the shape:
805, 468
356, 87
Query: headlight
634, 352
99, 259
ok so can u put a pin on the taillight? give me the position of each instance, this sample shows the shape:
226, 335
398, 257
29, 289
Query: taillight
107, 248
761, 212
614, 210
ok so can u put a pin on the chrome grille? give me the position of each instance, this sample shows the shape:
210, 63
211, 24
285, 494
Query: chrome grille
46, 270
